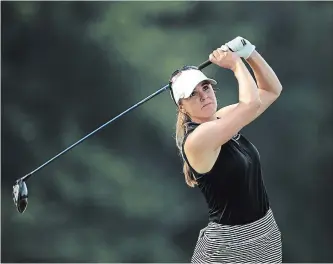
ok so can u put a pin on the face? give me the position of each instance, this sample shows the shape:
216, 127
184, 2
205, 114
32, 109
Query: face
201, 105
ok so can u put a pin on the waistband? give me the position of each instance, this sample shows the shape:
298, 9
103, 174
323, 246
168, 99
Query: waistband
240, 233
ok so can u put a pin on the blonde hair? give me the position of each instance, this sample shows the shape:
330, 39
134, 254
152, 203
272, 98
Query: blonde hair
181, 129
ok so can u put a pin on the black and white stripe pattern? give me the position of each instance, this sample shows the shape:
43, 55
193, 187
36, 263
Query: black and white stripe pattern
257, 242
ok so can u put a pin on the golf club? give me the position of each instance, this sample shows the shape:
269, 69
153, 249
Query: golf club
20, 189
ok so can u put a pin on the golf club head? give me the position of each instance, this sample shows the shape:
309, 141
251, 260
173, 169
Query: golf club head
20, 195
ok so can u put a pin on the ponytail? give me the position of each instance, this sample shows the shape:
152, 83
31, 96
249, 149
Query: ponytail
182, 119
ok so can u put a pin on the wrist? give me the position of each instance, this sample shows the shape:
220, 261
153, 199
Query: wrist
252, 56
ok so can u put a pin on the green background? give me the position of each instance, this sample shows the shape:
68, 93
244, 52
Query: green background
68, 67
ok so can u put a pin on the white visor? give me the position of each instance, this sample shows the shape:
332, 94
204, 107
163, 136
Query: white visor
185, 82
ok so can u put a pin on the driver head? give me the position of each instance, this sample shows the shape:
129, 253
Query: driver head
20, 195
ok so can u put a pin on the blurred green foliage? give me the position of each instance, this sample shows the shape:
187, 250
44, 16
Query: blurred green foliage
68, 67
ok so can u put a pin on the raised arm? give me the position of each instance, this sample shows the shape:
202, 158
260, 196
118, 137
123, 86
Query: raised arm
268, 83
203, 142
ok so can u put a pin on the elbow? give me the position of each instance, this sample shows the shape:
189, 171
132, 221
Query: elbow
277, 92
278, 89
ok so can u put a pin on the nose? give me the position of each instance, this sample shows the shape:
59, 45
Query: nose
203, 96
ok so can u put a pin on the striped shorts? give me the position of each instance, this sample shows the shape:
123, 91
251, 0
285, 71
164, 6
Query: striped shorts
257, 242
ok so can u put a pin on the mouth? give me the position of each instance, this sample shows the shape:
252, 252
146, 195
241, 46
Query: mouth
207, 105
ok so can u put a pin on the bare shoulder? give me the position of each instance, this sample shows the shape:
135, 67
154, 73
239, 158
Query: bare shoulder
198, 137
201, 157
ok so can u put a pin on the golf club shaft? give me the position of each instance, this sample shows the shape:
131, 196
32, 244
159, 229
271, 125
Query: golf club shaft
26, 177
204, 64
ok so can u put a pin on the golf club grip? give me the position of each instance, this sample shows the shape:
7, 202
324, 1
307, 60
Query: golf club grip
204, 64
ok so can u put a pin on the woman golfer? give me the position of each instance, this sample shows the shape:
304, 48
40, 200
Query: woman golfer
223, 163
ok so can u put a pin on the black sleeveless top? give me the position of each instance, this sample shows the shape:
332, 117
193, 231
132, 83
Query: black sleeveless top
233, 189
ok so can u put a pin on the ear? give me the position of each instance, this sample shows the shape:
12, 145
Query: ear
182, 109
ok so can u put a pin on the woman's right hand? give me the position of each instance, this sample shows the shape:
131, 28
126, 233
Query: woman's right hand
225, 58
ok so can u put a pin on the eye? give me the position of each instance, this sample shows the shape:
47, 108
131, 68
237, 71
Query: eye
192, 94
205, 88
